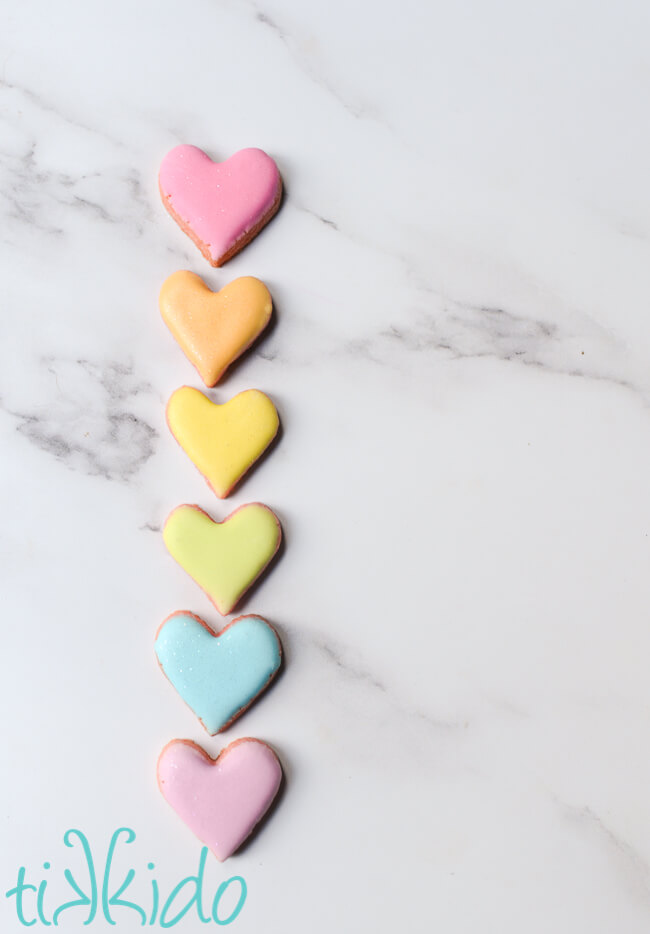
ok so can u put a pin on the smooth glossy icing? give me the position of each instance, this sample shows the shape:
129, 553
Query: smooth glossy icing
223, 441
221, 205
214, 328
224, 558
220, 800
220, 675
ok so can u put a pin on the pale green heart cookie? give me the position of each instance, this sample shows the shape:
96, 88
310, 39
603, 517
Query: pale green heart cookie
224, 558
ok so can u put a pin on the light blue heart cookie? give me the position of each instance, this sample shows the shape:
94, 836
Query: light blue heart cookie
218, 676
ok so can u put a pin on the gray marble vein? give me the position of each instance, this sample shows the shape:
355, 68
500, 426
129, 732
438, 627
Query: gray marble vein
28, 97
305, 63
89, 423
338, 656
630, 863
432, 321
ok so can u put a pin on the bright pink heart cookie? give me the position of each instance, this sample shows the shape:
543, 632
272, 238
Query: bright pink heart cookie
221, 800
220, 205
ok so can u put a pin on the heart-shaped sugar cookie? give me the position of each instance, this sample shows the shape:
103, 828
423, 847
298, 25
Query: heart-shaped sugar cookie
224, 558
223, 441
220, 205
214, 328
221, 800
218, 675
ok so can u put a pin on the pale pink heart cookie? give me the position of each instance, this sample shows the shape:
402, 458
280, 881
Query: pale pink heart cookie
220, 205
221, 800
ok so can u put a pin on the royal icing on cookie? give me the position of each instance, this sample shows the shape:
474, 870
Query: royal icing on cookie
223, 441
214, 328
218, 675
220, 205
221, 800
224, 558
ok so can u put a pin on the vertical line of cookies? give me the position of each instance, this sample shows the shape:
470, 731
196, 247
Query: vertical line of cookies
219, 674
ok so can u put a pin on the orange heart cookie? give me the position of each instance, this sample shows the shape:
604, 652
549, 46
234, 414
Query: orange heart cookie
213, 329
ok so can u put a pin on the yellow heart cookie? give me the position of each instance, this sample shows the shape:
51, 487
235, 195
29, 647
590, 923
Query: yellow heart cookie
224, 558
214, 328
223, 441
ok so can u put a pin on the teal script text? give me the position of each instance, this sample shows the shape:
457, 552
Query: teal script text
114, 896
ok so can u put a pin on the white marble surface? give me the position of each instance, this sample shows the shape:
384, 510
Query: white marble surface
461, 359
